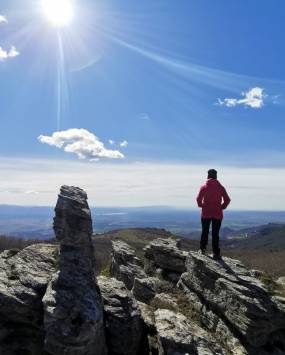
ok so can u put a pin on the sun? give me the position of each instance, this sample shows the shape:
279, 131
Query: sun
59, 13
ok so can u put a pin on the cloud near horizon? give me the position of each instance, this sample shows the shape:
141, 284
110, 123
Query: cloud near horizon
253, 98
137, 183
82, 143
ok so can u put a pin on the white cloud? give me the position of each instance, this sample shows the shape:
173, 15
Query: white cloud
144, 117
124, 144
3, 19
31, 192
12, 53
253, 98
111, 142
82, 143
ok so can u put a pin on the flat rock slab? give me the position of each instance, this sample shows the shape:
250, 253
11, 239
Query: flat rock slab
165, 254
165, 301
178, 335
145, 289
228, 289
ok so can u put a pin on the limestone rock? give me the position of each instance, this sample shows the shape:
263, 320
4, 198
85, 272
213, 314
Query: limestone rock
24, 277
165, 254
145, 289
201, 313
178, 335
124, 325
125, 265
165, 301
147, 313
256, 273
73, 312
281, 281
232, 296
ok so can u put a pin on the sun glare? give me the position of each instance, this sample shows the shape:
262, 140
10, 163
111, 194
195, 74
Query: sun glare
60, 13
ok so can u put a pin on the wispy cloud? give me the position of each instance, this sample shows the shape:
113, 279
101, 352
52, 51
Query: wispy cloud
253, 98
277, 99
31, 192
124, 144
3, 19
199, 74
12, 53
82, 143
144, 117
19, 191
111, 142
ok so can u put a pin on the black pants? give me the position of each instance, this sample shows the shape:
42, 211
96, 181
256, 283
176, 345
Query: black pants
216, 225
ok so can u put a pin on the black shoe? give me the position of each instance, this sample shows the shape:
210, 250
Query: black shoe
217, 257
202, 251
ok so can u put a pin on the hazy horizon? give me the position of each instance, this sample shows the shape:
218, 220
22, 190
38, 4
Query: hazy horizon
181, 208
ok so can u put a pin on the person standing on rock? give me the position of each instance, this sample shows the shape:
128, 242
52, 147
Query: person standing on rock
213, 199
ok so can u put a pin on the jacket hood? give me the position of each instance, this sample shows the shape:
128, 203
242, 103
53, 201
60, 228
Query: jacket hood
213, 182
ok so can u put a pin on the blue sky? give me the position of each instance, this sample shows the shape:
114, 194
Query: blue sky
199, 83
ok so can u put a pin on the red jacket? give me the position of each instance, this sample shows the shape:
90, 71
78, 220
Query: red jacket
213, 199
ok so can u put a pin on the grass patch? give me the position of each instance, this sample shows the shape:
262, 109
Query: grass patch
106, 271
273, 288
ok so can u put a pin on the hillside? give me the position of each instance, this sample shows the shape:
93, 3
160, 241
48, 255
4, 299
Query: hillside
270, 237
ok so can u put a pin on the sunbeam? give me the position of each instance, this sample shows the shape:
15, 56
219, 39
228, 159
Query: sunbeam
62, 84
216, 78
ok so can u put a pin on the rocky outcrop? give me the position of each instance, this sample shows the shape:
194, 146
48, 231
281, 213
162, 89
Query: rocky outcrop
125, 265
164, 259
178, 335
24, 276
73, 312
227, 309
232, 303
125, 330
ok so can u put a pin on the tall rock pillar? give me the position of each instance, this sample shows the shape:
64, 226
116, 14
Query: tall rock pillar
73, 311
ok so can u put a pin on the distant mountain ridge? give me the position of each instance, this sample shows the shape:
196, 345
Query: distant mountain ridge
36, 222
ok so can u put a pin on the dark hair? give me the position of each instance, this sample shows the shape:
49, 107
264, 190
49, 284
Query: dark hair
212, 174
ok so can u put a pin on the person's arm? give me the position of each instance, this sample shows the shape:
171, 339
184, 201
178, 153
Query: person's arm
226, 199
200, 197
